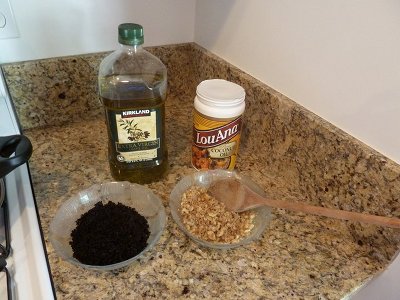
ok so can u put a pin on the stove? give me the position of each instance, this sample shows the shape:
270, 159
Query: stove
25, 272
6, 287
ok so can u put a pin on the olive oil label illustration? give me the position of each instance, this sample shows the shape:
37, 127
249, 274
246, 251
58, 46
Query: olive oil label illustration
136, 134
215, 142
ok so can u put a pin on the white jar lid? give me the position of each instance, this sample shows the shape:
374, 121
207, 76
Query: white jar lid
219, 98
220, 92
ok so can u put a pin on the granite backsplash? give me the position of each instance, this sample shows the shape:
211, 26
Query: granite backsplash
322, 163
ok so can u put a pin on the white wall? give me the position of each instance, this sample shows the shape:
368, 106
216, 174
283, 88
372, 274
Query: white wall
338, 58
51, 28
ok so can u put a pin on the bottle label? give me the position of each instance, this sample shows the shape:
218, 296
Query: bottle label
136, 134
215, 142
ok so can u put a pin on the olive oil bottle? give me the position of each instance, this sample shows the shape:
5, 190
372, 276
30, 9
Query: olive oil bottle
132, 85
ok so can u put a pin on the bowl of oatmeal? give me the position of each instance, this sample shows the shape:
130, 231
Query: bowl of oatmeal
207, 221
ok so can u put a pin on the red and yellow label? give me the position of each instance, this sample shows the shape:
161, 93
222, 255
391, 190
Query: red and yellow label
215, 142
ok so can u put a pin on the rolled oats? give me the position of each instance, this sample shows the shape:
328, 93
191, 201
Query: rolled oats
207, 218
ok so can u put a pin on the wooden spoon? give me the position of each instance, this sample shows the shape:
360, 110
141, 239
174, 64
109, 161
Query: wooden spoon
239, 197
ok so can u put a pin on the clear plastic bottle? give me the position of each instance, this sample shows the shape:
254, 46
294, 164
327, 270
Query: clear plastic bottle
132, 86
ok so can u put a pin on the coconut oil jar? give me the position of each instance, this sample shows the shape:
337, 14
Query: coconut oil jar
217, 124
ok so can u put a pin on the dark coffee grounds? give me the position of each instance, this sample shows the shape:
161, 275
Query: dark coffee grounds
108, 234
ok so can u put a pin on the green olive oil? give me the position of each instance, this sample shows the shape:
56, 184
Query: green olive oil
132, 86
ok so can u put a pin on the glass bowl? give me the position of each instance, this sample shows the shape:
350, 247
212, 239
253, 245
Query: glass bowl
204, 179
133, 195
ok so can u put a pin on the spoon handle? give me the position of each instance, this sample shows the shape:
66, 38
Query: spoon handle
332, 212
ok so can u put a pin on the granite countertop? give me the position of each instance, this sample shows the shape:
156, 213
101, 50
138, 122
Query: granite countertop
289, 151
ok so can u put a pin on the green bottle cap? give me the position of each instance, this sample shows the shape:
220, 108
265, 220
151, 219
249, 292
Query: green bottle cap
130, 34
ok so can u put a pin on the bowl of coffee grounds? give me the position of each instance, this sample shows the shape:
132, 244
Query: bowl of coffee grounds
207, 221
108, 226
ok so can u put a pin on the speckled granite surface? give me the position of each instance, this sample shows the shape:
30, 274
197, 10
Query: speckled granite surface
286, 149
